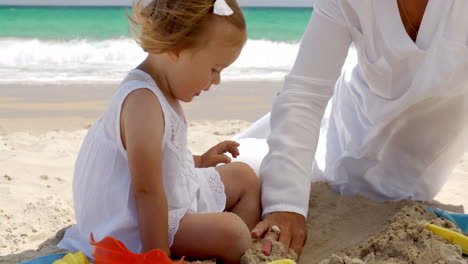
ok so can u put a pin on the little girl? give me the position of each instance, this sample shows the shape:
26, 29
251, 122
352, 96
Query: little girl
135, 179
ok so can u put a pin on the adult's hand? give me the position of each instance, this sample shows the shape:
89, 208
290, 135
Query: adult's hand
292, 231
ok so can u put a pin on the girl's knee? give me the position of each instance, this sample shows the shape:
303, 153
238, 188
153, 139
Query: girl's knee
247, 174
236, 236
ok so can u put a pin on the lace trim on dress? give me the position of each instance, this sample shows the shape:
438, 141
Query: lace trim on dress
177, 137
178, 134
217, 187
174, 218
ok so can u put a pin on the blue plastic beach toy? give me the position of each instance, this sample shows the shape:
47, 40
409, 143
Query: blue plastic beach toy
461, 220
44, 259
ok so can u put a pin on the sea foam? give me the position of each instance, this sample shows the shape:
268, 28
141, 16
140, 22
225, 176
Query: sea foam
82, 60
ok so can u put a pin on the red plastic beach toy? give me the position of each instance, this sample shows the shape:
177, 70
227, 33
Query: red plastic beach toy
113, 251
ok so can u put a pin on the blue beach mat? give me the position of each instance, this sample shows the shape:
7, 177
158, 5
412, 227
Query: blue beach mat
45, 259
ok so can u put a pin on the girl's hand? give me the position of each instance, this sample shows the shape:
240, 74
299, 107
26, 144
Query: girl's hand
215, 155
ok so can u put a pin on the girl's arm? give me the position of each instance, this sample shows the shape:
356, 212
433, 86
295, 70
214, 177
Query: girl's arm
142, 130
197, 161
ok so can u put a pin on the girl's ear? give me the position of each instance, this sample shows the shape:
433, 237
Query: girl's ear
174, 55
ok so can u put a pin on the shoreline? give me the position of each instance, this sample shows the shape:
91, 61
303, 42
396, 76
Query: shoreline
43, 107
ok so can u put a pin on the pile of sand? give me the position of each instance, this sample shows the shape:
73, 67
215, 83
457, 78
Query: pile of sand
353, 229
404, 240
255, 256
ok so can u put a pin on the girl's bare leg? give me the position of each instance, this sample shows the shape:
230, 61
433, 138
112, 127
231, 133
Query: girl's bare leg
242, 189
224, 236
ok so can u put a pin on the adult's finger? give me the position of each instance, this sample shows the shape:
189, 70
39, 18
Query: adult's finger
285, 239
298, 241
266, 245
261, 228
293, 229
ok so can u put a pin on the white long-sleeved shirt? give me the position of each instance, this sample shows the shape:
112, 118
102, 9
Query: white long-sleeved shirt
398, 120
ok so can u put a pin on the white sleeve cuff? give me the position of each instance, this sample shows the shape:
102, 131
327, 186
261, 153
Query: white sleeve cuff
284, 208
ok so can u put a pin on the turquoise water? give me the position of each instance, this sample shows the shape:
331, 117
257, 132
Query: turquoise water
66, 23
74, 44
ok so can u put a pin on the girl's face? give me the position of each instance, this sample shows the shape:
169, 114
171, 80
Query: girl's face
195, 70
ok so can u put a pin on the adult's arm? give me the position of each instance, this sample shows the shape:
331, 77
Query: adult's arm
295, 123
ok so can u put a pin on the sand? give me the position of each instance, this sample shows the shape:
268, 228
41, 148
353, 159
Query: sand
244, 100
41, 130
36, 178
402, 238
405, 240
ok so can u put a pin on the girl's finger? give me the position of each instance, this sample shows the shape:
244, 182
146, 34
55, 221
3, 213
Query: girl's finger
233, 148
220, 159
234, 151
222, 147
232, 142
228, 146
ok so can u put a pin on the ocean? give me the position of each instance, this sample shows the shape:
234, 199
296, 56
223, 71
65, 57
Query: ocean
93, 44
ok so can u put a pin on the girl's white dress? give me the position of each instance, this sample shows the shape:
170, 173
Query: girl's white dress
397, 122
103, 200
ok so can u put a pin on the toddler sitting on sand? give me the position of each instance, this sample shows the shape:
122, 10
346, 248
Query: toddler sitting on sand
135, 179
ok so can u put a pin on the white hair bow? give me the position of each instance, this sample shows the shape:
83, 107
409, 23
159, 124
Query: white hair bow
221, 8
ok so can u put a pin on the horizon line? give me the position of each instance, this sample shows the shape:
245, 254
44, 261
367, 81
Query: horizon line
242, 6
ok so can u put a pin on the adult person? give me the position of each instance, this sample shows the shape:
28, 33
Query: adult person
396, 122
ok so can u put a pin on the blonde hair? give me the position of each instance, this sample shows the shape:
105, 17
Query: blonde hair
165, 25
